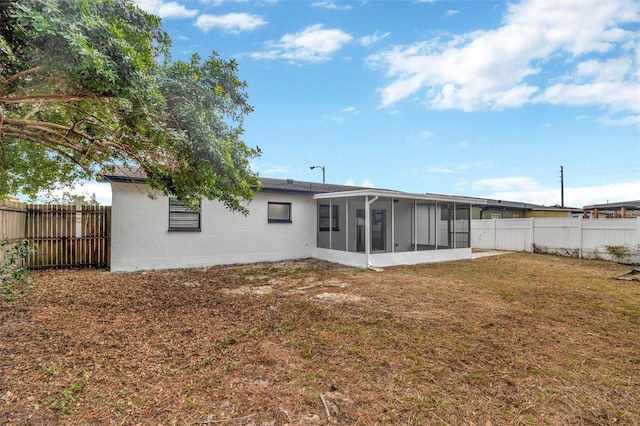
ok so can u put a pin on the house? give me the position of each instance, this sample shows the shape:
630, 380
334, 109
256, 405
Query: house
287, 219
623, 209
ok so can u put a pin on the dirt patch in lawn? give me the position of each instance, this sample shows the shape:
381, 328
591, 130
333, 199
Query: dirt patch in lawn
511, 339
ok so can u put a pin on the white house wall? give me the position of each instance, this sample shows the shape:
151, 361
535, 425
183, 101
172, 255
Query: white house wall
140, 239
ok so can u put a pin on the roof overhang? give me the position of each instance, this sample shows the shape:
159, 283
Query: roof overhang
122, 179
392, 194
629, 205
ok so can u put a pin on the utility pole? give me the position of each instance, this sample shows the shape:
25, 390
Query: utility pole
561, 186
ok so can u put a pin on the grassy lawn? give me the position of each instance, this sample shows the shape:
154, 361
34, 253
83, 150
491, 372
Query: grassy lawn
512, 339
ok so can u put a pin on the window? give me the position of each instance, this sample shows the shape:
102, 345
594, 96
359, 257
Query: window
279, 212
181, 218
328, 215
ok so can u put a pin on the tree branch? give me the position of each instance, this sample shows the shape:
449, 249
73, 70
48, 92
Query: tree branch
19, 75
52, 136
36, 109
53, 144
47, 127
54, 97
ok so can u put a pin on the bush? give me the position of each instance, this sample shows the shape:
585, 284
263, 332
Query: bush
619, 253
14, 277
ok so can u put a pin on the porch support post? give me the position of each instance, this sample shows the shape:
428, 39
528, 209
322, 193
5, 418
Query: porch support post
346, 224
367, 225
455, 236
393, 226
367, 229
330, 223
436, 229
415, 228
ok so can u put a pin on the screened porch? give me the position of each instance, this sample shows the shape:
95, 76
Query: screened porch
382, 228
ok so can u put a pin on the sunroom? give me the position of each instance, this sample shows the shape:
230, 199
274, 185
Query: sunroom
378, 228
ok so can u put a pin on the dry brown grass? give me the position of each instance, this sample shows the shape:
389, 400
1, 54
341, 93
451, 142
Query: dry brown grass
512, 339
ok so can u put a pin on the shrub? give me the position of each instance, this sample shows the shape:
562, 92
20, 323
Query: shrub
14, 277
619, 253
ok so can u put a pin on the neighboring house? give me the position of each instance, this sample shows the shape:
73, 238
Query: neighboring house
623, 209
288, 220
486, 208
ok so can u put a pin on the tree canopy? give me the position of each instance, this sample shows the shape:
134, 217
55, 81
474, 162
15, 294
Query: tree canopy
88, 84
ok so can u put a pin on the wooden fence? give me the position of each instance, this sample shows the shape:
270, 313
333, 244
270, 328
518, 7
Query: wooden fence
12, 224
64, 236
12, 220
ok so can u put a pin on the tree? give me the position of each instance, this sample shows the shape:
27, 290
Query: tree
69, 199
89, 84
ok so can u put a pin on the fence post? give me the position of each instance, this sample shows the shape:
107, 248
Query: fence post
495, 243
533, 235
580, 237
638, 238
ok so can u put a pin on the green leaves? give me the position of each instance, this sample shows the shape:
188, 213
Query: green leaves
84, 84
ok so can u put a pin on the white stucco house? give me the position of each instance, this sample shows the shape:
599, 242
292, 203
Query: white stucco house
288, 219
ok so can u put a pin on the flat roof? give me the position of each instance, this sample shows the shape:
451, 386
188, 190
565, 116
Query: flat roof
629, 205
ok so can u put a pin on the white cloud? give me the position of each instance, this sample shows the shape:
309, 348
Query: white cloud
573, 196
452, 12
629, 120
351, 109
448, 170
313, 44
615, 192
439, 170
166, 10
275, 170
608, 70
618, 95
232, 22
366, 182
220, 2
425, 134
337, 120
330, 5
372, 39
502, 68
520, 183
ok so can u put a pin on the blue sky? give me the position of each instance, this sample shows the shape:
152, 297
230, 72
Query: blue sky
475, 98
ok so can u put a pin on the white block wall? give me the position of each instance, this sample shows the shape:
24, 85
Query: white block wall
140, 239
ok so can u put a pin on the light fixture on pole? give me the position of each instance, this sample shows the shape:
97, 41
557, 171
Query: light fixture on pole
319, 167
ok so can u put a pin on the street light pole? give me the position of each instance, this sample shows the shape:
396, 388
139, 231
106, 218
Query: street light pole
320, 167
